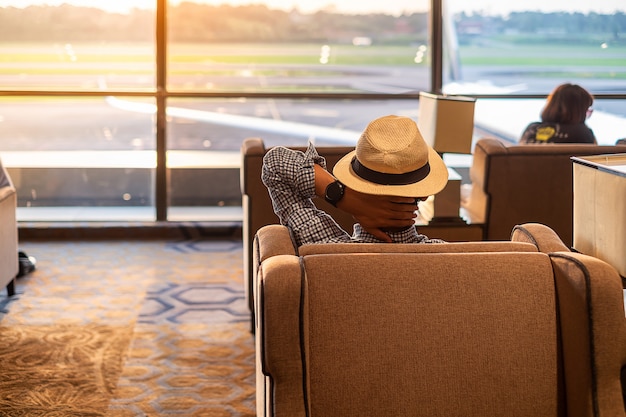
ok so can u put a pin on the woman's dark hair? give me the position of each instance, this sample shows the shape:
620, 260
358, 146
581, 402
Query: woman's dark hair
567, 103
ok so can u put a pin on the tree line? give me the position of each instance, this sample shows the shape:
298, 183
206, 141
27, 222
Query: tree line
572, 26
193, 22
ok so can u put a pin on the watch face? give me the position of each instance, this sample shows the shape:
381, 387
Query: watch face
334, 192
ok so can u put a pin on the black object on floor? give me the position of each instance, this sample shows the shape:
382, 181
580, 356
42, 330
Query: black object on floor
26, 264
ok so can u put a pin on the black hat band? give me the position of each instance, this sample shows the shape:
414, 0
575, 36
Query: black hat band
389, 179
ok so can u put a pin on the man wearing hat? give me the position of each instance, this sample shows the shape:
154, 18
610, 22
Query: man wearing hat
379, 183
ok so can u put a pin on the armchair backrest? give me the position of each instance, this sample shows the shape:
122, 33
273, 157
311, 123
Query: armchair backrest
514, 184
515, 333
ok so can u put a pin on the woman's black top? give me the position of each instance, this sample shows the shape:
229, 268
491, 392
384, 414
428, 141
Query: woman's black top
539, 132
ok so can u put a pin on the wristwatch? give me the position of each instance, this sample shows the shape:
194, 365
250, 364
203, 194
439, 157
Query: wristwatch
334, 192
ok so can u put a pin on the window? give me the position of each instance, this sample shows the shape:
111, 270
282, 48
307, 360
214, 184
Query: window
136, 110
71, 153
85, 141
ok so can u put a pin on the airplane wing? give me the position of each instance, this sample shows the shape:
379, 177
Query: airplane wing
308, 131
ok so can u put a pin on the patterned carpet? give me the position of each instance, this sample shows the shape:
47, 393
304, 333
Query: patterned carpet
140, 328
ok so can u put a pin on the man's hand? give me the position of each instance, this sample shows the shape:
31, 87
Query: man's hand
377, 213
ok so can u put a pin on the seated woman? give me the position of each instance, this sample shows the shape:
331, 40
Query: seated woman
563, 118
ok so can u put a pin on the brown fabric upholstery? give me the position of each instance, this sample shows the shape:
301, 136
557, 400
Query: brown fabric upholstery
451, 247
541, 236
439, 331
8, 232
515, 184
378, 370
593, 333
281, 375
275, 239
271, 240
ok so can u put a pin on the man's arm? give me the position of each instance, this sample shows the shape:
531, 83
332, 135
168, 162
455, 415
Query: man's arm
374, 212
289, 176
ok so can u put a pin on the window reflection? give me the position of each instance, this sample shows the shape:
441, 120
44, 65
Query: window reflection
68, 154
208, 133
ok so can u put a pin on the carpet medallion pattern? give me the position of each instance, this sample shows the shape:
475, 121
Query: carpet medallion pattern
146, 328
60, 370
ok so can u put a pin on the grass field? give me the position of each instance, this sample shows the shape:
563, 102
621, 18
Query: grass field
549, 55
296, 60
25, 56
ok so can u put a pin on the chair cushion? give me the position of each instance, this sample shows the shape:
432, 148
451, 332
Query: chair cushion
356, 360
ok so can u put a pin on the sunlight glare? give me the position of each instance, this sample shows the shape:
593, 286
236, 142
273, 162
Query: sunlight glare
116, 6
394, 7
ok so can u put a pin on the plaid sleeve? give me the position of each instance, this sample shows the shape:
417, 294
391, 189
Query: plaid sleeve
289, 176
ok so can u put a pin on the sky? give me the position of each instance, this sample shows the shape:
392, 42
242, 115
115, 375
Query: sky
497, 7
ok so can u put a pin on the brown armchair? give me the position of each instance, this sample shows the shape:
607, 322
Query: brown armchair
521, 328
514, 184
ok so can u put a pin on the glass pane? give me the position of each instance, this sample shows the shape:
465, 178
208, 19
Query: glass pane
205, 138
494, 47
497, 47
88, 46
349, 47
507, 118
78, 159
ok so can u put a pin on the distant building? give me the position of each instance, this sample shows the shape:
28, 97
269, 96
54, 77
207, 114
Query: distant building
361, 41
470, 27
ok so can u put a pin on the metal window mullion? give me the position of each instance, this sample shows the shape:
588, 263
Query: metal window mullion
436, 46
161, 178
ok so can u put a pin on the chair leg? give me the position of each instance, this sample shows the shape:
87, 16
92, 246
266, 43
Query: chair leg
11, 288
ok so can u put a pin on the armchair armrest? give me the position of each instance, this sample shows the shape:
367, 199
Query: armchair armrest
269, 241
543, 237
8, 237
591, 306
6, 192
272, 240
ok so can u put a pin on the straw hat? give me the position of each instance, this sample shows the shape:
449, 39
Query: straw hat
392, 158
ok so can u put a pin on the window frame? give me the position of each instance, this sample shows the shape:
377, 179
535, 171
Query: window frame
161, 94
